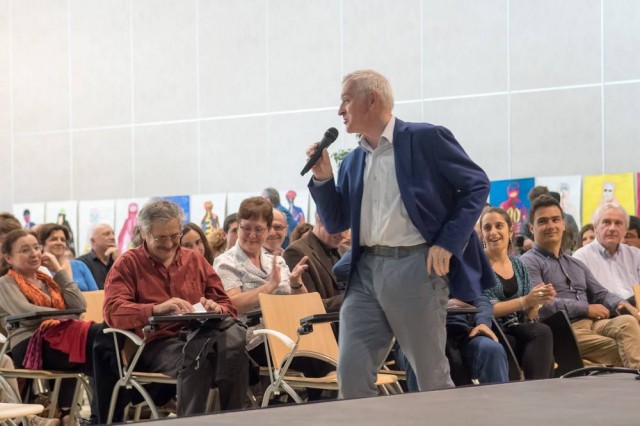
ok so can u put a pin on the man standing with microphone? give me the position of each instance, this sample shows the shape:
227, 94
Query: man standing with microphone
411, 196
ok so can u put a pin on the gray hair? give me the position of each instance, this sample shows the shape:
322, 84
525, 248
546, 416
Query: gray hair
597, 215
370, 81
273, 195
159, 211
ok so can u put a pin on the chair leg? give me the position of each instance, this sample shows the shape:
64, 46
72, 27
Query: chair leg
292, 393
152, 406
114, 400
73, 414
53, 398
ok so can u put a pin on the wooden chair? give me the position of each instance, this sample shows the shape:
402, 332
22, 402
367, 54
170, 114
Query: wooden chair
95, 300
13, 322
286, 339
636, 294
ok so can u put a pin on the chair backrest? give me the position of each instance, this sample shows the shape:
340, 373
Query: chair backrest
283, 313
566, 352
95, 300
636, 294
515, 372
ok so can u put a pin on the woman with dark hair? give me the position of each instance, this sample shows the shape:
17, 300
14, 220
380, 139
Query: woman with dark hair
53, 239
587, 234
516, 304
194, 238
55, 345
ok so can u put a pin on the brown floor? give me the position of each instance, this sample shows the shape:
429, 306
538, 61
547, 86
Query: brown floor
597, 400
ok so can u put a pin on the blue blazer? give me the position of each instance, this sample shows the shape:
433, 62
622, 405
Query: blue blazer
442, 189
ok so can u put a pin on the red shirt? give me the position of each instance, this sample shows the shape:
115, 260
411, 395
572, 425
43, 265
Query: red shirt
136, 283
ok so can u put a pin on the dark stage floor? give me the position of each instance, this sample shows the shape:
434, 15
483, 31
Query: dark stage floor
612, 399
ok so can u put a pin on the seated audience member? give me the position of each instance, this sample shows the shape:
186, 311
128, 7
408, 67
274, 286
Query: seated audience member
54, 345
300, 230
104, 251
161, 278
217, 241
614, 264
230, 228
603, 338
277, 234
632, 236
587, 234
516, 304
247, 269
53, 238
137, 239
321, 248
194, 238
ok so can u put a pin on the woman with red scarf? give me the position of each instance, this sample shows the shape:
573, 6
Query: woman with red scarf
65, 345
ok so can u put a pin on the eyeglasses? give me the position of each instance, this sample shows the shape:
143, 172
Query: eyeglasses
279, 228
28, 249
248, 230
163, 239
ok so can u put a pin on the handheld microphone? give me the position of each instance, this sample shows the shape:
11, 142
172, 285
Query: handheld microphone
329, 137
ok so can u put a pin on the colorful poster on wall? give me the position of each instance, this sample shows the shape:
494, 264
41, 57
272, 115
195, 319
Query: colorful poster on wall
64, 213
29, 214
600, 189
570, 190
208, 211
235, 198
182, 201
511, 195
126, 220
90, 214
297, 202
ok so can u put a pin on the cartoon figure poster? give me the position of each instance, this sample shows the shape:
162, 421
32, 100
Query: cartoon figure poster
208, 211
297, 202
90, 214
511, 195
64, 213
570, 190
29, 214
235, 198
126, 221
600, 189
182, 201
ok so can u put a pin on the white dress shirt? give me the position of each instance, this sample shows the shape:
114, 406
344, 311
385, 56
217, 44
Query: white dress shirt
617, 273
383, 218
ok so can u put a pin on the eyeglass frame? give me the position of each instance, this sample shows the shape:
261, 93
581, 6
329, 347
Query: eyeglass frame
163, 239
256, 231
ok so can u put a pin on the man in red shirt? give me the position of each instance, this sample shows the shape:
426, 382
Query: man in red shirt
162, 278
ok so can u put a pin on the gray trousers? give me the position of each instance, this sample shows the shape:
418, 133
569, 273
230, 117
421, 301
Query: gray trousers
211, 358
386, 297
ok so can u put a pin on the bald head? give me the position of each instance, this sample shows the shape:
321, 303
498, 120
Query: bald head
102, 238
